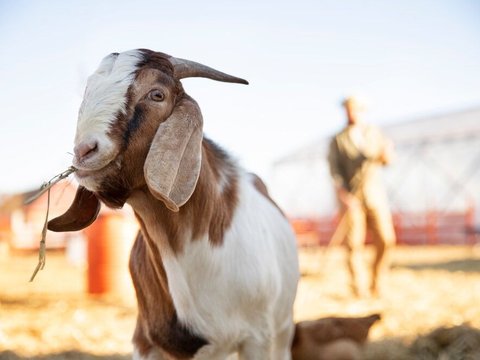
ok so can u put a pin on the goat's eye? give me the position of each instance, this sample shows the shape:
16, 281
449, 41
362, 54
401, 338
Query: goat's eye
156, 95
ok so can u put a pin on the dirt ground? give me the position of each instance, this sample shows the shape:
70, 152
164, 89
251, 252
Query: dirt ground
53, 318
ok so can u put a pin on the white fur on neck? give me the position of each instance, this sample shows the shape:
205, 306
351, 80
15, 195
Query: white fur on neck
243, 288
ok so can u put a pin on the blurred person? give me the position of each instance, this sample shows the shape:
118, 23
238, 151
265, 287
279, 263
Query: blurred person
355, 157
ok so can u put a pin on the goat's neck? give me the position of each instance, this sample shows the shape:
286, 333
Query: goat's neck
207, 213
155, 220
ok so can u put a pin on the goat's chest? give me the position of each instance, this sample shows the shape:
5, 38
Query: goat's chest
228, 289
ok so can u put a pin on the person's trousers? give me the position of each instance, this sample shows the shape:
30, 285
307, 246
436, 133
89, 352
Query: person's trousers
378, 221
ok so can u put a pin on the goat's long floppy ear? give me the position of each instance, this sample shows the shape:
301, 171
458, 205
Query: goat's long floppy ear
82, 212
172, 166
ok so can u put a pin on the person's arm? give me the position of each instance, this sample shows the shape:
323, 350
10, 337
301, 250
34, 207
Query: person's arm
344, 196
335, 166
385, 152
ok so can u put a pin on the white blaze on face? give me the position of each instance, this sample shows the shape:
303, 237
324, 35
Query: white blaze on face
105, 97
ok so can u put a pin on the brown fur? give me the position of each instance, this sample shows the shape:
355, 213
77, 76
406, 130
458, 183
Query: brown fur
262, 189
157, 322
331, 338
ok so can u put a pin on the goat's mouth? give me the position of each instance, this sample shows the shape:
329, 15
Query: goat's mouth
88, 179
91, 179
91, 168
89, 171
81, 174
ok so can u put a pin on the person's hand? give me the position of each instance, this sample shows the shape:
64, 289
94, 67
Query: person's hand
388, 153
347, 199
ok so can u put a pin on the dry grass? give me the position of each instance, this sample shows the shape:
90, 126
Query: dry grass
429, 288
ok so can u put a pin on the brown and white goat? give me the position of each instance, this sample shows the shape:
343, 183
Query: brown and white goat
215, 264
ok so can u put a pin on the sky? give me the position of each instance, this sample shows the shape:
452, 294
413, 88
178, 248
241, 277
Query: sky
408, 59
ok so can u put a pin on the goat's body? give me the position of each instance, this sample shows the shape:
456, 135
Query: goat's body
215, 266
237, 295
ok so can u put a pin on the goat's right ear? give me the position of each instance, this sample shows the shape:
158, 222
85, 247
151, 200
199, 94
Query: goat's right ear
173, 163
83, 211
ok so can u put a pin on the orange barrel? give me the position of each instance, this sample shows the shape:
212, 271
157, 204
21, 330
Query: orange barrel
109, 240
5, 234
5, 227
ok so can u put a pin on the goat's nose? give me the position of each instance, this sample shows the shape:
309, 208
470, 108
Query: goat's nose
85, 149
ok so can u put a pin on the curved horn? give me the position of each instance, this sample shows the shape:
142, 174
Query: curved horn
186, 68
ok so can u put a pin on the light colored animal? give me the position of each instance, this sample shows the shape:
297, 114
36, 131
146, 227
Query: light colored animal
215, 264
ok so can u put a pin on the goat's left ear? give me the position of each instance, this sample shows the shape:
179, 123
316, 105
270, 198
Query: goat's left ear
172, 166
83, 211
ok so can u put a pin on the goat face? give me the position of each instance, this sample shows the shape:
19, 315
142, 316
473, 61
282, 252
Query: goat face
125, 101
137, 127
